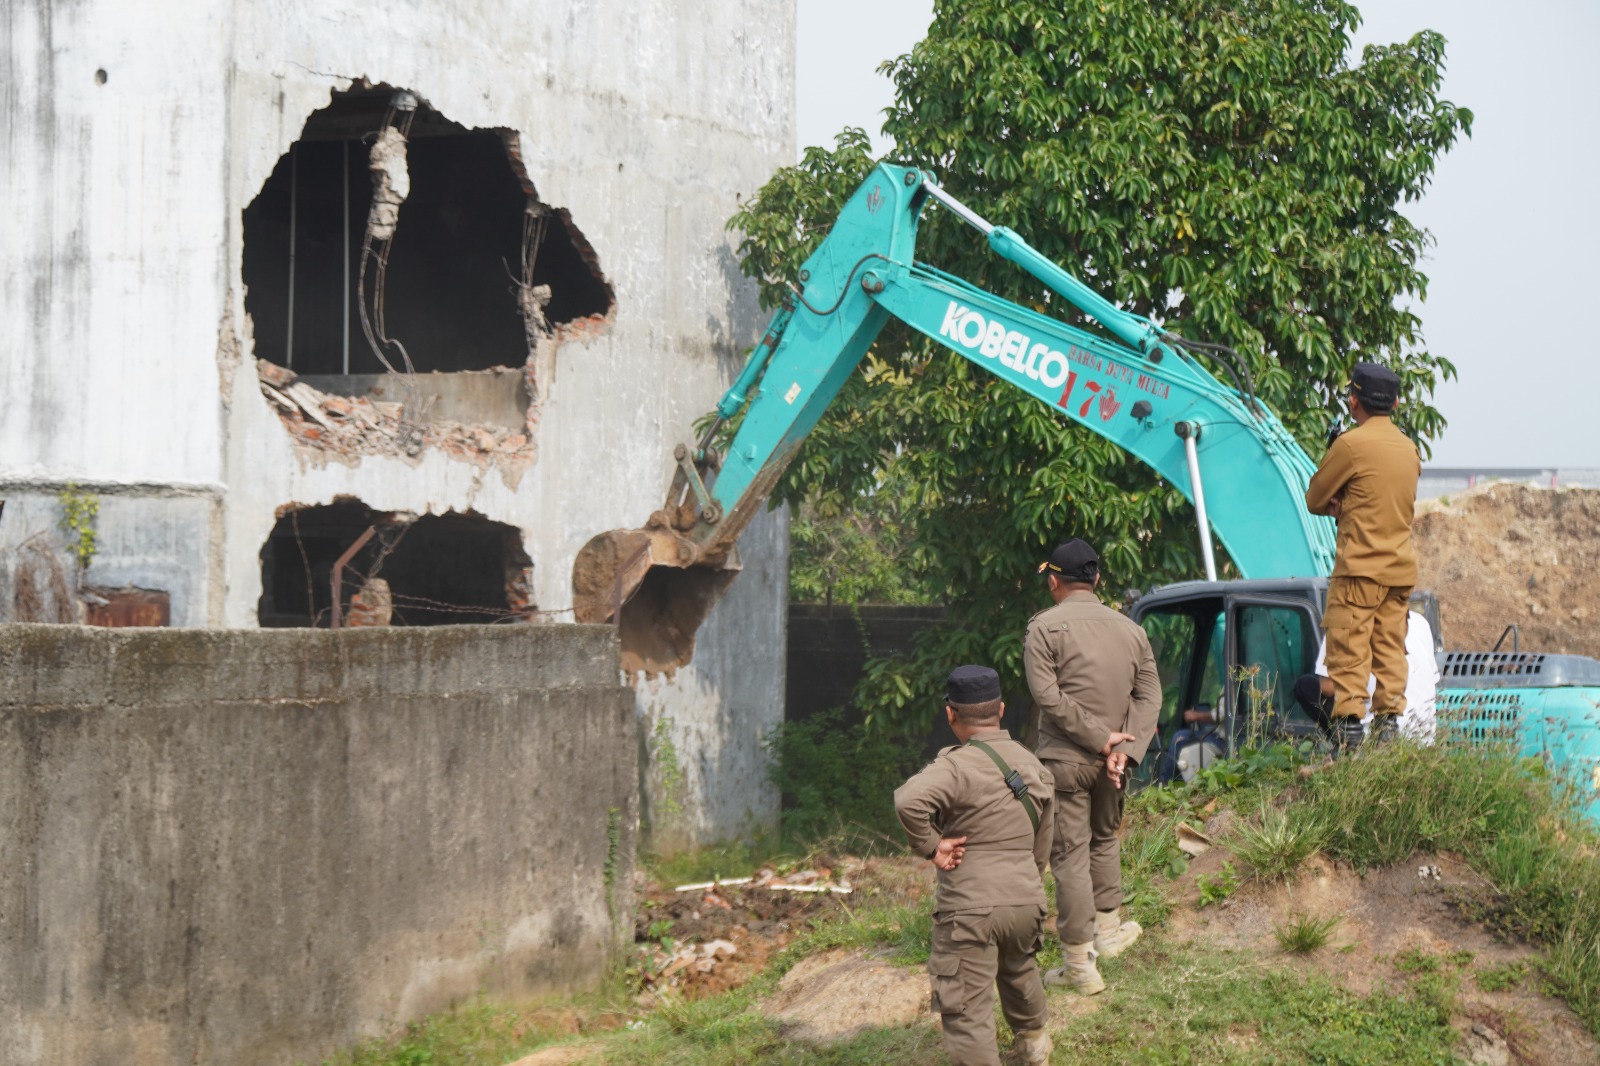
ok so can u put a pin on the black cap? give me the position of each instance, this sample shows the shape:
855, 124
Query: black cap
971, 684
1072, 561
1376, 386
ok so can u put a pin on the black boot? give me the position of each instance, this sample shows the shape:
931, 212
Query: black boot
1385, 727
1347, 734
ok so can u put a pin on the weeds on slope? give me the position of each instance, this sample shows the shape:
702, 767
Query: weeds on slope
1274, 845
1505, 817
1502, 813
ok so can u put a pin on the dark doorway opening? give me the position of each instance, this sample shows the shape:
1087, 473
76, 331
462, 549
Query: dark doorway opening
434, 570
475, 264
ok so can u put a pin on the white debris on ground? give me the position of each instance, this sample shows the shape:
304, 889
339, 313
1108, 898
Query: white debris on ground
767, 877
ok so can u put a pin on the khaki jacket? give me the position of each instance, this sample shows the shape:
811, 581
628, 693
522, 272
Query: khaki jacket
1374, 467
963, 793
1092, 673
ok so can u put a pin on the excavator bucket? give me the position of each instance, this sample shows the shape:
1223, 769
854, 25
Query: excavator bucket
651, 585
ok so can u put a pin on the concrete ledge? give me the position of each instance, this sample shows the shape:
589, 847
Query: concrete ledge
46, 665
258, 847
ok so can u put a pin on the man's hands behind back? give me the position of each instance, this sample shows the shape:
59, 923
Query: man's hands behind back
1116, 761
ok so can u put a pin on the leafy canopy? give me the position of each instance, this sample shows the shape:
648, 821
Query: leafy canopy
852, 556
1216, 164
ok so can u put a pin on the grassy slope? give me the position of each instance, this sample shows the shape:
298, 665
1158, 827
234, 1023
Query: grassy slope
1171, 1003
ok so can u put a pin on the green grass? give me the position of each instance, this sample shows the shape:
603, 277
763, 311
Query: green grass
1304, 934
1273, 845
1416, 961
1191, 1006
740, 859
1150, 860
477, 1034
1184, 1005
1218, 886
1502, 978
726, 1032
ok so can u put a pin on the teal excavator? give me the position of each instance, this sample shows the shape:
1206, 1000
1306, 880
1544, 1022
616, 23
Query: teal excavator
1141, 388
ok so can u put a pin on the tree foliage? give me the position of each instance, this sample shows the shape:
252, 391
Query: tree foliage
1220, 166
852, 555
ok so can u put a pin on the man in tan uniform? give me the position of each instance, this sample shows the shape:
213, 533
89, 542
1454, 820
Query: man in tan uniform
982, 813
1368, 481
1093, 677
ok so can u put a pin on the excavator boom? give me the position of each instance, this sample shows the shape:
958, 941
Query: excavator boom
1219, 445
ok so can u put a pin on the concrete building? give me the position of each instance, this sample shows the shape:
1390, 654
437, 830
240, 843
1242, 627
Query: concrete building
456, 272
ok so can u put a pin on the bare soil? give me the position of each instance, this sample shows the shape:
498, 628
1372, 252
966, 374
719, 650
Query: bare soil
1385, 917
838, 994
1510, 553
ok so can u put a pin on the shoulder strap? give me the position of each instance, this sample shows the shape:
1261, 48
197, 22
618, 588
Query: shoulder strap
1014, 781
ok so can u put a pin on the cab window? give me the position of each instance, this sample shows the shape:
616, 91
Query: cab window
1276, 644
1172, 640
1213, 665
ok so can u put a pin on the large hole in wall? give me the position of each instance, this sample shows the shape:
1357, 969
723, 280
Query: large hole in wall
469, 273
412, 571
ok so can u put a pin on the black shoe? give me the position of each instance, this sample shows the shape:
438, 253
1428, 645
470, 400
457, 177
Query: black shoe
1385, 727
1347, 734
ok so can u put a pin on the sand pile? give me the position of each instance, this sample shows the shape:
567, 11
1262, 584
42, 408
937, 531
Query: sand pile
1509, 553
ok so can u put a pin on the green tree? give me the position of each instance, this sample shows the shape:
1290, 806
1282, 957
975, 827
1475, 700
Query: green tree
852, 554
1220, 166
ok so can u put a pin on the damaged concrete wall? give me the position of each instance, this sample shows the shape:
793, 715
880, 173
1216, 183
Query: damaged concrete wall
138, 141
156, 537
258, 847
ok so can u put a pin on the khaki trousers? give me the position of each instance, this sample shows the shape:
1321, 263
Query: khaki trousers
1086, 855
973, 952
1365, 626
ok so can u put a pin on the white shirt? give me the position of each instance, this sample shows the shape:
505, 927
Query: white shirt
1422, 680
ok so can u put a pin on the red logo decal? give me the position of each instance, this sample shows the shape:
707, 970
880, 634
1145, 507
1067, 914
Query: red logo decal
1109, 405
875, 199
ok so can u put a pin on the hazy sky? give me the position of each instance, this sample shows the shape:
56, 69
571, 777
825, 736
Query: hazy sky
1514, 209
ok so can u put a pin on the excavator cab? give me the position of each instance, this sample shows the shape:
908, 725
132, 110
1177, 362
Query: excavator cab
1231, 651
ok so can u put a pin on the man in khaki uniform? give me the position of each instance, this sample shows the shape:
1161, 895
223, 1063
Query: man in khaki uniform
1368, 481
1093, 677
982, 813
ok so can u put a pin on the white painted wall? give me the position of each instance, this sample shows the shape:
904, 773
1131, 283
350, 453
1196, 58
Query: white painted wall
113, 245
126, 353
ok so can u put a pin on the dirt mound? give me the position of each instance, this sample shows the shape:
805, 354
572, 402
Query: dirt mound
834, 996
1393, 926
1510, 553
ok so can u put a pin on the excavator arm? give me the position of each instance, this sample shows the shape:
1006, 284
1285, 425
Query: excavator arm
1233, 459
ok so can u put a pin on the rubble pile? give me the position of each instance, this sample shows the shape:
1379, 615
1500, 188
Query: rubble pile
700, 939
1512, 553
353, 427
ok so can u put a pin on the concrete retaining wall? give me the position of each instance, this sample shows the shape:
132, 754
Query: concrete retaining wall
257, 847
